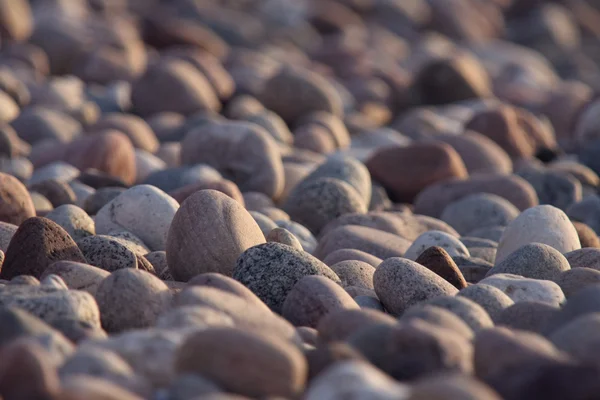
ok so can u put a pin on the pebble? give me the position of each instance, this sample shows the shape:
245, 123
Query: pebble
534, 260
493, 300
35, 245
355, 379
354, 273
109, 254
581, 303
131, 299
439, 317
158, 259
7, 231
77, 276
438, 260
240, 164
15, 202
479, 211
314, 297
49, 304
383, 346
227, 284
578, 338
328, 354
542, 224
341, 255
450, 244
207, 218
435, 198
276, 368
260, 269
100, 198
587, 236
57, 192
401, 283
555, 188
317, 202
339, 325
306, 238
455, 387
283, 236
531, 316
440, 163
380, 244
587, 211
520, 288
74, 220
584, 258
144, 210
469, 311
573, 280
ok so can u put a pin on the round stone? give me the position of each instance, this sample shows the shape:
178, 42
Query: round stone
15, 202
541, 224
401, 283
262, 267
439, 261
519, 288
74, 220
534, 260
450, 244
208, 233
492, 299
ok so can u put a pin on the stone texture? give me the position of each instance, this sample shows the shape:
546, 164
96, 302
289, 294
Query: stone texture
15, 202
401, 283
520, 289
450, 244
208, 234
533, 260
436, 259
271, 270
35, 245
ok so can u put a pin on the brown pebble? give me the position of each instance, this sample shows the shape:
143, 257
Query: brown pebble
15, 202
57, 192
38, 243
587, 236
439, 261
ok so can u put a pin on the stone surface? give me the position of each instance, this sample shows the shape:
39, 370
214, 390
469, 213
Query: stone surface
15, 202
208, 234
262, 267
450, 244
244, 363
469, 311
143, 210
573, 280
531, 316
314, 297
542, 224
436, 259
428, 164
479, 211
74, 220
492, 299
533, 260
78, 276
130, 299
35, 245
354, 273
520, 289
401, 283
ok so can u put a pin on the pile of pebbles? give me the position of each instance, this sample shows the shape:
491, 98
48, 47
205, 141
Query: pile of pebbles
299, 199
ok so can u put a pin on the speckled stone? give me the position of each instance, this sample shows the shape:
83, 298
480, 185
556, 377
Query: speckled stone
74, 220
519, 288
262, 267
144, 210
208, 234
450, 244
436, 259
49, 304
492, 299
107, 253
312, 298
479, 211
283, 236
534, 260
347, 169
401, 283
317, 202
35, 245
355, 273
57, 192
15, 202
130, 299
